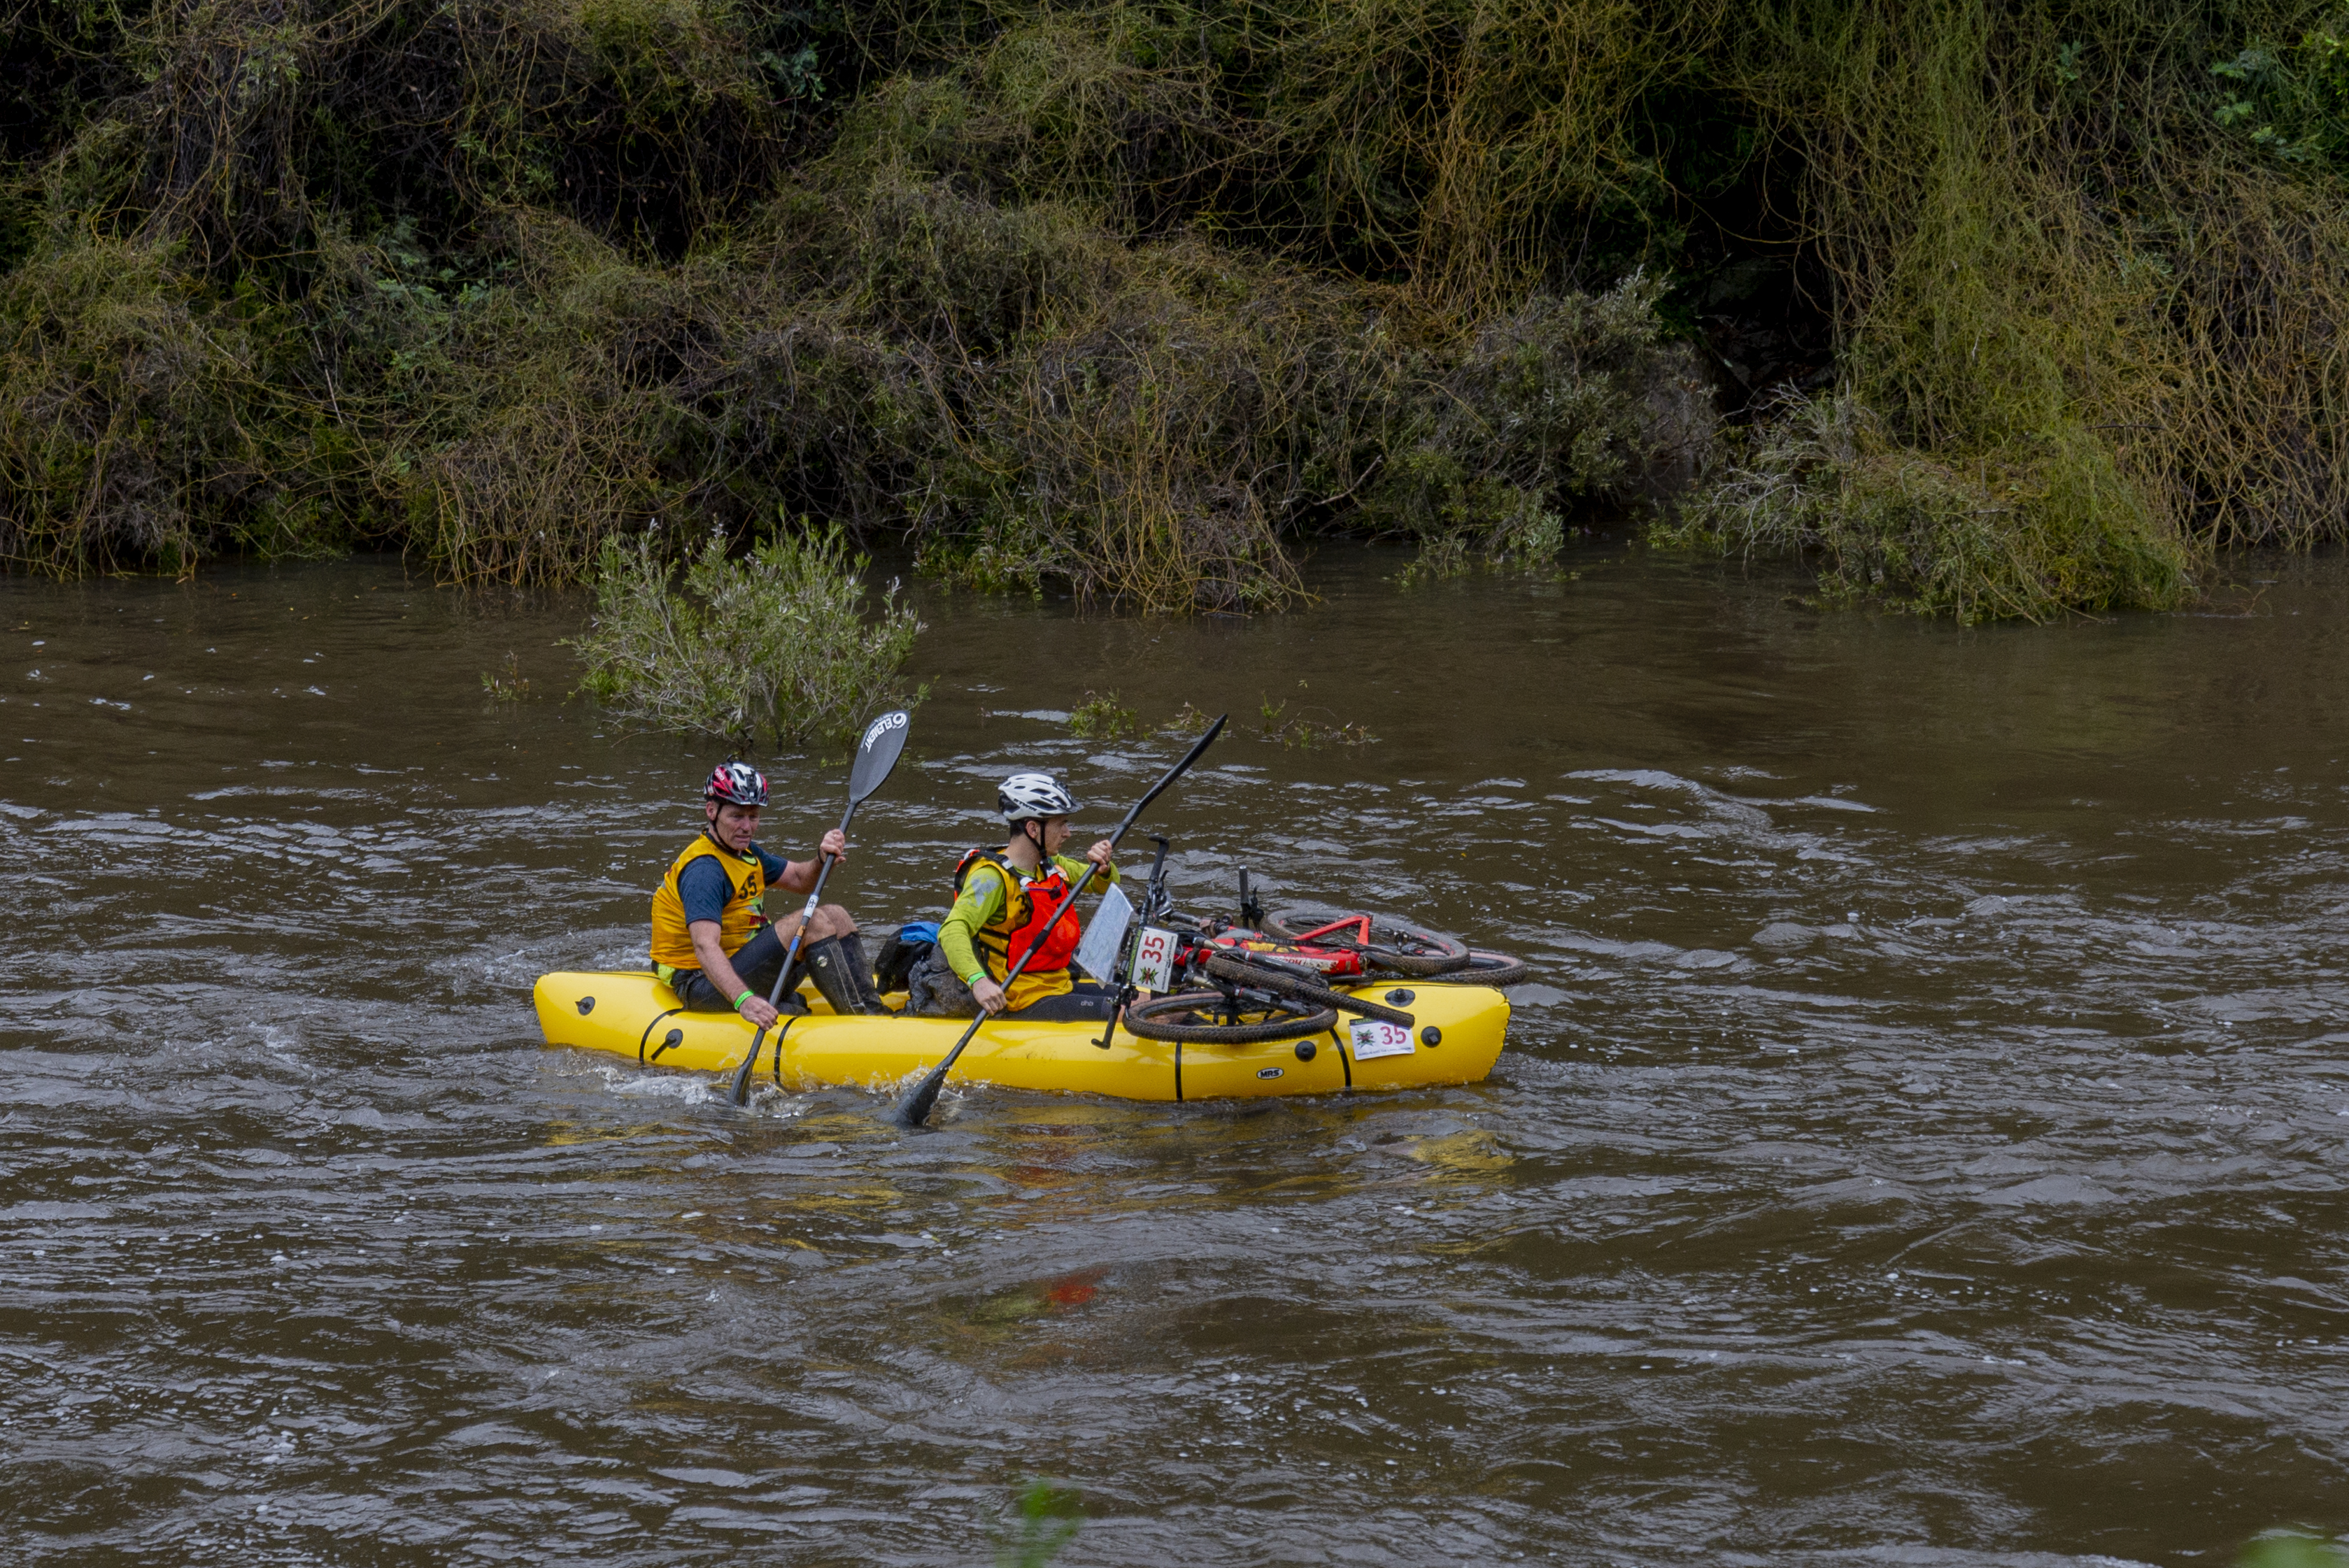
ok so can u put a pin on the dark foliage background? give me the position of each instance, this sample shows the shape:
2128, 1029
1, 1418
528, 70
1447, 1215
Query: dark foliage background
2011, 308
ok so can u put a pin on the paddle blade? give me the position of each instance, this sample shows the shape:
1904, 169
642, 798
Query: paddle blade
742, 1073
876, 752
914, 1108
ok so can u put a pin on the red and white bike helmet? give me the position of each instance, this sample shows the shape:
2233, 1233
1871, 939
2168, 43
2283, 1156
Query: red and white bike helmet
737, 784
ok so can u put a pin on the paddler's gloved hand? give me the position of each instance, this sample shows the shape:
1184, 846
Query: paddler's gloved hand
987, 993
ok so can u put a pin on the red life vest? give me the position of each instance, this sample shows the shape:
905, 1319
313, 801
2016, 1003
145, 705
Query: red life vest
1036, 913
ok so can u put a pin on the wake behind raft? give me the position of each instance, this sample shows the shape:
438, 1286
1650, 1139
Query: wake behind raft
1454, 1038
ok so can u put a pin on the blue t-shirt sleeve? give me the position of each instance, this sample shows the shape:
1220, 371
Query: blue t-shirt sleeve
769, 867
703, 889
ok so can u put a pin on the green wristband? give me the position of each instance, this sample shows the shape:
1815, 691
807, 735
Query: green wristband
974, 977
746, 996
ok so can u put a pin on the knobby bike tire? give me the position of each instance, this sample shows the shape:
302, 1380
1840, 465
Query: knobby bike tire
1175, 1016
1303, 987
1395, 944
1489, 969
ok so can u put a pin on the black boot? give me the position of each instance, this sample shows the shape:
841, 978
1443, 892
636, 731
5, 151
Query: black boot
834, 972
867, 986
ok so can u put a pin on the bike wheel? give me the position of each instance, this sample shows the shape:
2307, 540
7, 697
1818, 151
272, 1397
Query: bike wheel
1300, 986
1392, 944
1489, 969
1203, 1017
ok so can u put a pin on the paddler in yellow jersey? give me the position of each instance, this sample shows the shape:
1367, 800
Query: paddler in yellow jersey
1007, 900
713, 943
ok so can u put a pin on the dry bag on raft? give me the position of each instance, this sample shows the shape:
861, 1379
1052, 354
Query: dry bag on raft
914, 960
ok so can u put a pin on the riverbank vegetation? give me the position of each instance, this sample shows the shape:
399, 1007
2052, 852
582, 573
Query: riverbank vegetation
2008, 310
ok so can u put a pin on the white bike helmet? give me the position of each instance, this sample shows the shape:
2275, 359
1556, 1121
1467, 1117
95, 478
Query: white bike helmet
1024, 797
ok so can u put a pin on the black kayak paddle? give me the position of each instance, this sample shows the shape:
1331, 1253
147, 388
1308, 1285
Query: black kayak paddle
876, 753
914, 1108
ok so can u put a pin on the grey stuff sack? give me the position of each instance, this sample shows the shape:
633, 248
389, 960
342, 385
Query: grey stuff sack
933, 990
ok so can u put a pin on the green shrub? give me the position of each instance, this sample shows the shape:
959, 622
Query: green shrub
1301, 732
246, 131
2290, 102
139, 421
1103, 719
1915, 532
777, 640
2292, 1549
1551, 403
1039, 403
527, 424
1049, 1520
507, 685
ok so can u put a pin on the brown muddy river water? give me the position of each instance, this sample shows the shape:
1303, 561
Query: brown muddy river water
1925, 1144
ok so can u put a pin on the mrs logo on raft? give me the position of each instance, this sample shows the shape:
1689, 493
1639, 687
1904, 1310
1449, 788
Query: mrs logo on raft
1268, 1072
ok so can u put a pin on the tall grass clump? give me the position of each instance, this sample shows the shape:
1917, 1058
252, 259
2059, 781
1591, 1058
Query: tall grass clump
776, 642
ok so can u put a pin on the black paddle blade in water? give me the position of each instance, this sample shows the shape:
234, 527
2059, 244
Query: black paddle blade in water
876, 753
914, 1108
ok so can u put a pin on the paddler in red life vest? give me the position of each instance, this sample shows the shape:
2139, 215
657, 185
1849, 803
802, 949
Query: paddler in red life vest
712, 942
1005, 900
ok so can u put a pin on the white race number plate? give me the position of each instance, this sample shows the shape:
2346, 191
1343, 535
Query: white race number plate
1154, 959
1375, 1038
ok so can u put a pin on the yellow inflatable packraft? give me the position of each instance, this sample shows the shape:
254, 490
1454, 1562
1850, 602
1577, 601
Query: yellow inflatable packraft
1455, 1036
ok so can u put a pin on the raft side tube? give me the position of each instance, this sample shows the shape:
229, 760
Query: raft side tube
631, 1014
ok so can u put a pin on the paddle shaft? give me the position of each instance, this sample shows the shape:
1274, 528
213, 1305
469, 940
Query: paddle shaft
914, 1108
791, 961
